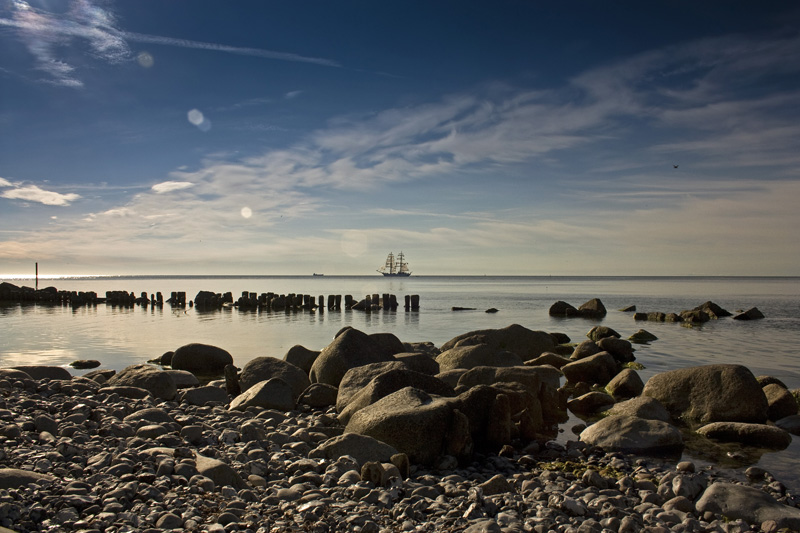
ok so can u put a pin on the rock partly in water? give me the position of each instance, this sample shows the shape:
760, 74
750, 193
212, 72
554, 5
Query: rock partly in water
201, 359
642, 337
751, 314
626, 384
710, 393
476, 355
525, 343
642, 407
781, 402
599, 368
749, 504
45, 371
759, 435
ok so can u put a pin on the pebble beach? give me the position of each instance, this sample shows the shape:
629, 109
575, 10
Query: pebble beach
80, 456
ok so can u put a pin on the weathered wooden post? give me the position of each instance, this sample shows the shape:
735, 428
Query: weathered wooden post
415, 302
348, 301
37, 276
338, 304
331, 301
393, 302
385, 303
408, 302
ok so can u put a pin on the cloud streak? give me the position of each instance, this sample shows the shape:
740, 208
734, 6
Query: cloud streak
32, 193
46, 34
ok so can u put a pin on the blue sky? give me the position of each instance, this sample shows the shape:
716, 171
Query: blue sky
528, 138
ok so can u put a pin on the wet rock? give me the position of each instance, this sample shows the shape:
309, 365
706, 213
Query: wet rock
626, 384
642, 337
602, 332
549, 358
590, 403
83, 364
642, 407
476, 355
781, 402
584, 350
45, 372
619, 348
599, 368
594, 308
751, 314
760, 435
525, 343
156, 382
351, 349
563, 309
419, 362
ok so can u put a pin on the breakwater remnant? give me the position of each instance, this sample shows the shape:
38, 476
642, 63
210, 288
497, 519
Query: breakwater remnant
49, 295
594, 308
698, 315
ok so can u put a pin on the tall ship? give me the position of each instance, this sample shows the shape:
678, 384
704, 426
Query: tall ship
395, 266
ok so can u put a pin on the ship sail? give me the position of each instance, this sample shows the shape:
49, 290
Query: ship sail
396, 267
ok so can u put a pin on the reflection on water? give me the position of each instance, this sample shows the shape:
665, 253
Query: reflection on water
119, 336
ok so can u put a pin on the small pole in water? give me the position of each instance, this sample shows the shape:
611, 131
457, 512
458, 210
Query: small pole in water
37, 276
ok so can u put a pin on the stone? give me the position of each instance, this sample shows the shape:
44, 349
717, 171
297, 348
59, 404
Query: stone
642, 407
525, 343
201, 359
476, 355
147, 377
642, 337
14, 478
629, 434
419, 362
602, 332
590, 403
45, 372
713, 309
351, 349
219, 472
125, 391
359, 377
83, 364
391, 381
270, 394
626, 384
781, 402
619, 348
388, 342
319, 395
531, 377
362, 448
409, 420
452, 376
599, 368
751, 314
183, 378
584, 350
265, 368
548, 358
301, 357
710, 393
205, 395
760, 435
747, 503
564, 309
594, 308
151, 415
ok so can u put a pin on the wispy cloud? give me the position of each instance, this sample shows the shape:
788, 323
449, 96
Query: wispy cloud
32, 193
169, 186
46, 35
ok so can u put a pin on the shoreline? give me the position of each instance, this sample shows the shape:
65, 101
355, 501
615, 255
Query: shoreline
109, 463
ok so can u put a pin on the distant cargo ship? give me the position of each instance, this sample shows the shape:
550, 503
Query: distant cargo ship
395, 267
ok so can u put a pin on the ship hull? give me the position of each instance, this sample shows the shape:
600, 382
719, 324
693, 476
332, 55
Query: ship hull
396, 274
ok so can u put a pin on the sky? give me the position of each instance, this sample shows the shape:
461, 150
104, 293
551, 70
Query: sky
478, 137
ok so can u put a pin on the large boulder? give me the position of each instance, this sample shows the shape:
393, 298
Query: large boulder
157, 382
602, 332
626, 384
630, 434
531, 377
751, 314
477, 355
350, 349
599, 368
710, 393
748, 503
362, 448
781, 402
271, 394
318, 395
301, 357
563, 309
759, 435
359, 377
419, 362
590, 403
45, 372
517, 339
410, 420
265, 368
205, 395
584, 349
619, 348
391, 381
219, 472
594, 308
14, 478
201, 359
641, 407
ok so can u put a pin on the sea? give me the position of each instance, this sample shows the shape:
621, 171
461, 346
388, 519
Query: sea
121, 336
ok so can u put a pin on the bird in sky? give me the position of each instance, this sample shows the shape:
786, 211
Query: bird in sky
674, 166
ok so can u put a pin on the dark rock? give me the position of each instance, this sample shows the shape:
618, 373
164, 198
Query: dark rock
301, 357
271, 394
476, 355
265, 368
359, 377
491, 310
83, 364
602, 332
563, 309
642, 337
713, 309
594, 308
419, 362
751, 314
626, 384
156, 382
45, 372
641, 407
351, 349
13, 478
748, 503
619, 348
318, 395
710, 393
201, 359
629, 309
548, 358
781, 402
759, 435
584, 350
205, 395
522, 341
362, 448
599, 368
590, 403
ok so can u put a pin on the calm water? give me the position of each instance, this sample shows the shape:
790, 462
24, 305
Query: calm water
118, 337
